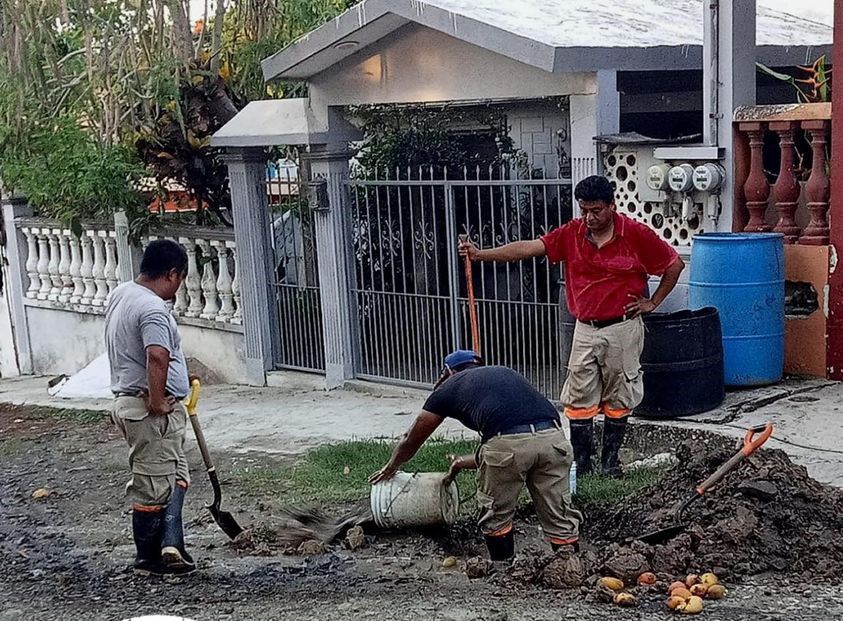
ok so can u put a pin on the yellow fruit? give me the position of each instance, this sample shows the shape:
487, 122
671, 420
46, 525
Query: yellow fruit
691, 580
624, 599
675, 603
449, 561
716, 591
647, 578
611, 583
693, 606
699, 589
685, 594
674, 586
709, 579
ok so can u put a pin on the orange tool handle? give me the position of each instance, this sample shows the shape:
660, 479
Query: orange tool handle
472, 308
750, 445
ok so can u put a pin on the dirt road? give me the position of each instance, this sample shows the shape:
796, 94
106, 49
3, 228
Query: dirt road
65, 556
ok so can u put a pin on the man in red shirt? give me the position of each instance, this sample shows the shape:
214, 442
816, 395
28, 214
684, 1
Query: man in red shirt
608, 258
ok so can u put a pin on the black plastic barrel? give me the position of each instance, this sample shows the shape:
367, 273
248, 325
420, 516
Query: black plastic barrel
682, 363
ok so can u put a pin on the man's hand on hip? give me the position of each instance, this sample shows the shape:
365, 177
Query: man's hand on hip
640, 306
160, 406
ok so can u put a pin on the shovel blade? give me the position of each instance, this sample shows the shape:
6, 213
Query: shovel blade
226, 522
665, 534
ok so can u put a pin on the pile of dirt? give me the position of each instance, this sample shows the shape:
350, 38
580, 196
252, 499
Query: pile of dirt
767, 515
306, 531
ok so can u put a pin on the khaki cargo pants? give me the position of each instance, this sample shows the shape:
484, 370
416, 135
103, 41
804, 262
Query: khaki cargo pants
156, 449
542, 462
604, 370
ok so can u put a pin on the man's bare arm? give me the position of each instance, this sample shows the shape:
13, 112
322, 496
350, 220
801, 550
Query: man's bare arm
157, 368
513, 251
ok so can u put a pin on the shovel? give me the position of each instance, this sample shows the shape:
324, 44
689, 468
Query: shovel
751, 443
224, 519
472, 309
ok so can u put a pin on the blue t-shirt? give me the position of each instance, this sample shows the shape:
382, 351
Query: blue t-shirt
490, 400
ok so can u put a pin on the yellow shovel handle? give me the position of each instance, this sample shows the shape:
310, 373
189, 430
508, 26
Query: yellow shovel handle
193, 399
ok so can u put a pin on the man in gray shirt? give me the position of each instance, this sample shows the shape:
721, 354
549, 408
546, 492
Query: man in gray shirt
149, 380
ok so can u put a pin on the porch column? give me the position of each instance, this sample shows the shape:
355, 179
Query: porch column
255, 260
834, 343
328, 197
14, 208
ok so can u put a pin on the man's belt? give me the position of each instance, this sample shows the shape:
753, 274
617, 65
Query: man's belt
603, 323
543, 425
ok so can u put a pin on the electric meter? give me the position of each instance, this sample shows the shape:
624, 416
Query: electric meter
708, 177
681, 178
657, 177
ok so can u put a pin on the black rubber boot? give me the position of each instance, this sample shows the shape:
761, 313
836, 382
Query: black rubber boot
502, 547
582, 439
613, 433
173, 553
146, 531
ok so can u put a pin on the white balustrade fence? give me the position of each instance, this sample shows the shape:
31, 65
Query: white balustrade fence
69, 271
77, 273
211, 291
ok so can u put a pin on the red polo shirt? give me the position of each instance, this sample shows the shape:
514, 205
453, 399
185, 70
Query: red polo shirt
599, 283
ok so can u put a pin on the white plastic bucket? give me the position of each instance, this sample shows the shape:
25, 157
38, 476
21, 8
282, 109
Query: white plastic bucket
414, 499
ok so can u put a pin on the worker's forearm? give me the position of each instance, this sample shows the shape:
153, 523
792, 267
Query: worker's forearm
514, 251
157, 368
466, 462
668, 282
404, 452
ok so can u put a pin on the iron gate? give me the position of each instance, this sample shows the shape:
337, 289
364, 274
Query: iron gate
410, 286
296, 270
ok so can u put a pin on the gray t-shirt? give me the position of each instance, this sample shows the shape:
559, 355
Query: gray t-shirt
135, 319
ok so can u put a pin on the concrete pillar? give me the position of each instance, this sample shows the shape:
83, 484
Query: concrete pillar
728, 81
255, 258
834, 343
329, 199
608, 103
584, 154
15, 288
128, 255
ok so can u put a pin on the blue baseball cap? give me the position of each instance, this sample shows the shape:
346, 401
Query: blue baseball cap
460, 357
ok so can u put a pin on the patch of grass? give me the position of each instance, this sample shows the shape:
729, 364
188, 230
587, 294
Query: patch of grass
598, 490
12, 446
321, 475
69, 415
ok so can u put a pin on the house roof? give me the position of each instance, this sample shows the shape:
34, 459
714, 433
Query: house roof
554, 35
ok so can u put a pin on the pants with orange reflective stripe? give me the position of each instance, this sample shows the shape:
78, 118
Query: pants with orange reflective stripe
604, 370
542, 462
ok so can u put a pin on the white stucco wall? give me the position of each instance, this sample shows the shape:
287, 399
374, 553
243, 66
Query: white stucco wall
8, 359
65, 342
417, 64
542, 132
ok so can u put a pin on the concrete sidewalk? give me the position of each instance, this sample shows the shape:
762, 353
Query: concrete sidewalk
297, 414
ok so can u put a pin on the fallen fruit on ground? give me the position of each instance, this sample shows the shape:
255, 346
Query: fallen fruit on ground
716, 591
675, 603
611, 583
675, 585
625, 599
449, 561
693, 606
699, 589
691, 580
709, 579
685, 594
647, 578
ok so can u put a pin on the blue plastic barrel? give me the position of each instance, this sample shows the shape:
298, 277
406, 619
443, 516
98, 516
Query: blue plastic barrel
742, 276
